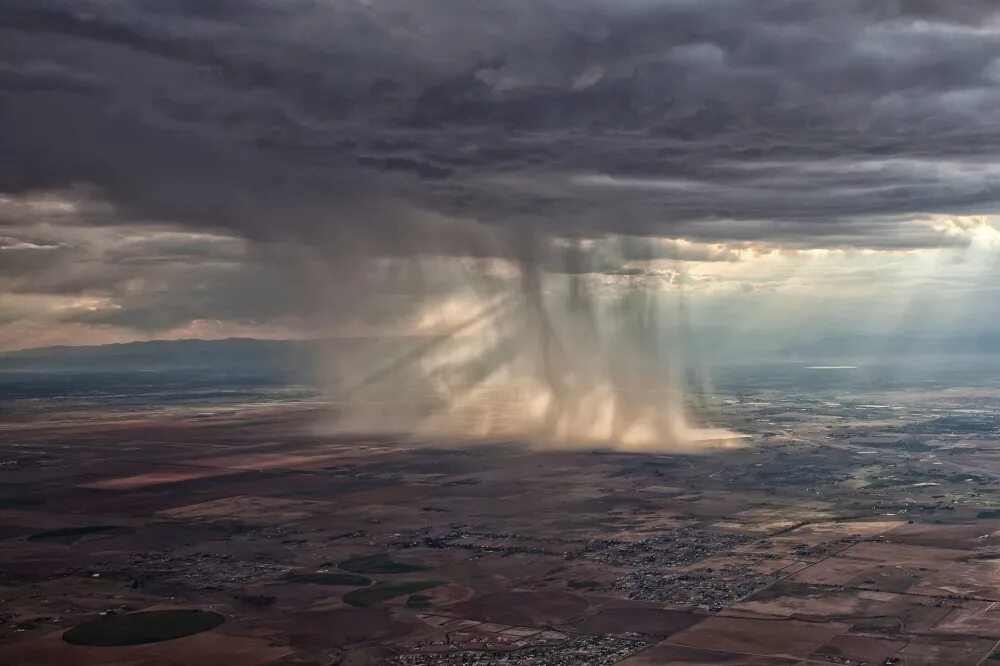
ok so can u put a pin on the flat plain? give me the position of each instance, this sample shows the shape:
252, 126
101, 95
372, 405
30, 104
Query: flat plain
863, 535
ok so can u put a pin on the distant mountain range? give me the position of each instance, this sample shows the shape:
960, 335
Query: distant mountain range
249, 354
235, 353
164, 370
238, 355
179, 366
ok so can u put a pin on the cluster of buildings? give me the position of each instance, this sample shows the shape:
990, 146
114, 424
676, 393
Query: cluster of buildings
200, 571
592, 650
671, 549
706, 590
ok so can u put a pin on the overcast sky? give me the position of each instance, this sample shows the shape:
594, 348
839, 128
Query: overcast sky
204, 168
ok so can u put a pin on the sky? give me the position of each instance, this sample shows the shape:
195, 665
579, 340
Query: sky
768, 171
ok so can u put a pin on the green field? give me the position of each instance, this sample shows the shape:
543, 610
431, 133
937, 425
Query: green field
369, 596
378, 564
143, 627
418, 601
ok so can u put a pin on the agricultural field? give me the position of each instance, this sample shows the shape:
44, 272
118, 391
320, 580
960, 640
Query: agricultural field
192, 534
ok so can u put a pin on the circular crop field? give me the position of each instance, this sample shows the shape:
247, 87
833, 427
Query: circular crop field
143, 627
379, 564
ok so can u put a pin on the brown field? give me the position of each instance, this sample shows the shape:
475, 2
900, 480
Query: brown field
979, 580
535, 608
258, 461
946, 651
768, 520
972, 536
882, 612
901, 554
826, 530
858, 649
678, 655
833, 571
251, 509
974, 618
647, 621
688, 559
154, 479
779, 638
344, 626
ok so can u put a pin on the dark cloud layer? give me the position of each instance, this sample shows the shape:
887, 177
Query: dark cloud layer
372, 122
224, 157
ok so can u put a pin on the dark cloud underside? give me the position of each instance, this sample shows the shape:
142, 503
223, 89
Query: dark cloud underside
393, 124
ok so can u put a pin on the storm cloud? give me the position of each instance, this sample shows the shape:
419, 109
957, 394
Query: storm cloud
811, 123
181, 159
536, 186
